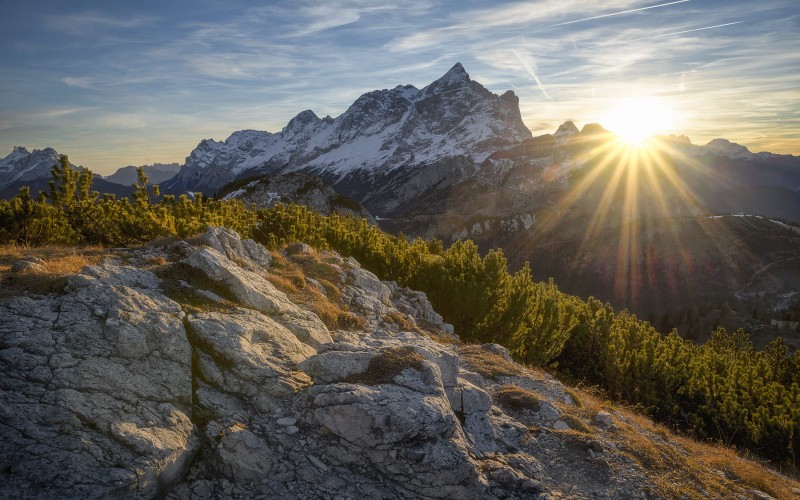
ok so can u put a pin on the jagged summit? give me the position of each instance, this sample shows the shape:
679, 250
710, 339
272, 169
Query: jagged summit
456, 75
384, 134
568, 127
727, 148
22, 165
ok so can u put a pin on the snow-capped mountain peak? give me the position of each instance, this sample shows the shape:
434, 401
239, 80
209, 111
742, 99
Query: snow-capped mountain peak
457, 75
383, 131
22, 165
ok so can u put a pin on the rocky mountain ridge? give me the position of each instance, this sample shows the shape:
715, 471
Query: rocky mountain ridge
266, 191
181, 371
422, 137
23, 165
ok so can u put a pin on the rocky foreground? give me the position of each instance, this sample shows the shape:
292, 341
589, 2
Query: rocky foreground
181, 371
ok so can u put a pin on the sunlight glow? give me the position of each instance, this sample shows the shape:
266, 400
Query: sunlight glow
636, 119
630, 189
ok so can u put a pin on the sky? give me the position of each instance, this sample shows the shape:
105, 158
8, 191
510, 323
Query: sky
133, 83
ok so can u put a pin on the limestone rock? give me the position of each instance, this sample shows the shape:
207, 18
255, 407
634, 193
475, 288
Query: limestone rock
96, 390
256, 292
228, 242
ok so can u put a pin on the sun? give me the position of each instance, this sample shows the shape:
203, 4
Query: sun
636, 119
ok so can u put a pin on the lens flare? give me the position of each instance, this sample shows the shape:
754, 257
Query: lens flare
637, 119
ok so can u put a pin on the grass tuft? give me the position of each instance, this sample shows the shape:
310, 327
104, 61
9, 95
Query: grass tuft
487, 363
384, 367
518, 399
58, 264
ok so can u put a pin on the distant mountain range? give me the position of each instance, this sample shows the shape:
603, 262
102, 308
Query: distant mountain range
454, 160
156, 173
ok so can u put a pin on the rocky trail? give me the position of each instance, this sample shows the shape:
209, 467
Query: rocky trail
181, 371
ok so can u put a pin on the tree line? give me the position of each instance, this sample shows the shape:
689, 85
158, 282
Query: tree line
723, 389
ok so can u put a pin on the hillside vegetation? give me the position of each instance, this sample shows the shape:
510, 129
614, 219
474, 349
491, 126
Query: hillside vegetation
723, 389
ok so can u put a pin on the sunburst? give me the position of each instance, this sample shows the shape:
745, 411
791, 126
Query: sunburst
634, 120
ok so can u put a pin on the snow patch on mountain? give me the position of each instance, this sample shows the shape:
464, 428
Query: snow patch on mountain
22, 165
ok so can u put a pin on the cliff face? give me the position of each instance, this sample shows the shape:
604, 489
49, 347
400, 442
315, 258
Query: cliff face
183, 371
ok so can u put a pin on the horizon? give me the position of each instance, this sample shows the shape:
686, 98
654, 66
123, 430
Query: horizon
119, 85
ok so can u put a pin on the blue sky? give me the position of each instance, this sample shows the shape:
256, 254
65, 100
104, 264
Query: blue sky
118, 83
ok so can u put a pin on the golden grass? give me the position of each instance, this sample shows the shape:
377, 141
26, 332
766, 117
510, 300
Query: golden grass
402, 322
487, 363
384, 367
289, 276
518, 399
676, 464
58, 264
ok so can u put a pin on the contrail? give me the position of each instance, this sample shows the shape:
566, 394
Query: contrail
529, 68
684, 31
619, 13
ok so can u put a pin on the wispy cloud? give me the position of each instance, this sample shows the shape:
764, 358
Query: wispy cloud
90, 22
620, 13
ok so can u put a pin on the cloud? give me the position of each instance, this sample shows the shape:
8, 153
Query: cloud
81, 82
90, 22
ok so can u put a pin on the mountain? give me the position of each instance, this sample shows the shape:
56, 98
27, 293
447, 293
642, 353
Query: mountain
180, 370
21, 165
156, 173
32, 169
387, 147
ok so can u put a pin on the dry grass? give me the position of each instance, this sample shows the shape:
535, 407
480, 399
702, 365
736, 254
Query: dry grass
402, 322
678, 466
518, 399
487, 363
748, 471
384, 367
289, 276
58, 264
156, 260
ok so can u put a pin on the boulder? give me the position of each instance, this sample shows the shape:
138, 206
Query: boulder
229, 243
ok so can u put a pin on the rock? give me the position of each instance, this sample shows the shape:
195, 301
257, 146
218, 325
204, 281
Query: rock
242, 456
498, 349
254, 291
90, 406
369, 416
299, 249
468, 399
247, 353
333, 366
560, 425
761, 495
286, 421
548, 413
228, 243
27, 266
604, 419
